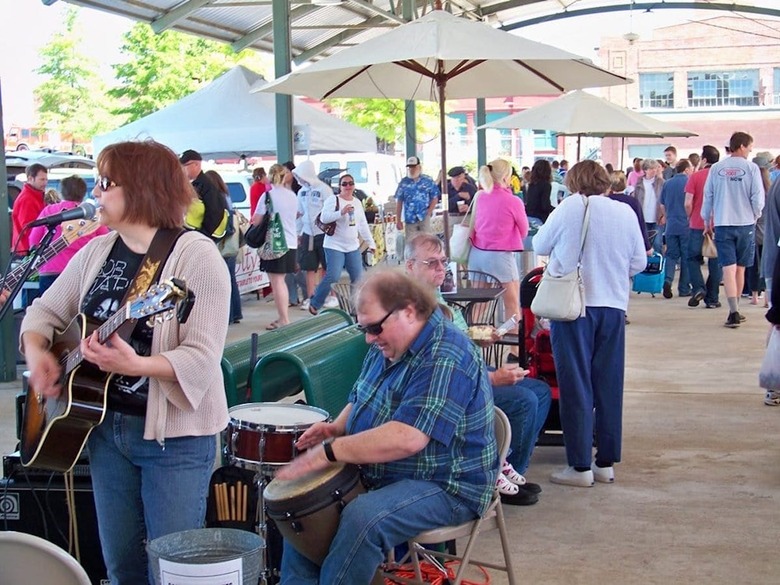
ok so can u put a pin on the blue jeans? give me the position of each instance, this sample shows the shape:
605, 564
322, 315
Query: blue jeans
589, 362
44, 282
736, 244
526, 405
235, 296
695, 240
658, 239
294, 281
677, 251
371, 525
336, 261
143, 491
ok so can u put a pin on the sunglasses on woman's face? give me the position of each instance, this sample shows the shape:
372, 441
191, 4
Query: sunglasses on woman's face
348, 184
105, 183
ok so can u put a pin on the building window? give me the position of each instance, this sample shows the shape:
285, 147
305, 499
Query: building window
545, 140
776, 87
656, 90
723, 88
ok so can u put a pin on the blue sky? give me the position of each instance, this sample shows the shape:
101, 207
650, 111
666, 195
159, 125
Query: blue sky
36, 23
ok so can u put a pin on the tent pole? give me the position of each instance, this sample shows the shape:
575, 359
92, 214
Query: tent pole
443, 138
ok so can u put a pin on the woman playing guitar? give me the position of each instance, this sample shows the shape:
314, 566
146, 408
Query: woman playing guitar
153, 448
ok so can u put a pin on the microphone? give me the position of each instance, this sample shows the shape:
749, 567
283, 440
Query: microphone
84, 211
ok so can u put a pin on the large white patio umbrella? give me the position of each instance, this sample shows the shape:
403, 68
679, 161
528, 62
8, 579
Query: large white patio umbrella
580, 113
442, 56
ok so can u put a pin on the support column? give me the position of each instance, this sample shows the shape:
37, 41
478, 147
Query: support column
282, 60
410, 118
481, 118
8, 341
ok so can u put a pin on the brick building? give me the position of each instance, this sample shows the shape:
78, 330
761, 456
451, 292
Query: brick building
712, 77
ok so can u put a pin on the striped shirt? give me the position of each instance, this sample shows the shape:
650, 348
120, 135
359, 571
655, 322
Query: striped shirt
439, 386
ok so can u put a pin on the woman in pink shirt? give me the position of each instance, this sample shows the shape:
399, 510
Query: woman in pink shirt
500, 224
73, 191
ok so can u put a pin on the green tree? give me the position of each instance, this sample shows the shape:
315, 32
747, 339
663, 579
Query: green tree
385, 117
163, 68
72, 98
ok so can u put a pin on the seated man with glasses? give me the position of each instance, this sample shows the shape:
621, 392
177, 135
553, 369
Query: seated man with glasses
525, 401
420, 422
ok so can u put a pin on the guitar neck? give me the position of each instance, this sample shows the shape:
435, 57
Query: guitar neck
106, 330
50, 252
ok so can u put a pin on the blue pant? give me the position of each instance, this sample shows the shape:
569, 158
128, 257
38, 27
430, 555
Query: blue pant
235, 296
371, 525
143, 491
526, 405
337, 261
658, 238
589, 364
677, 251
695, 240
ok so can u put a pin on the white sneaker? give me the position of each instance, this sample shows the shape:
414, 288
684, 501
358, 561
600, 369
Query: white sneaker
571, 476
331, 303
772, 398
603, 474
305, 305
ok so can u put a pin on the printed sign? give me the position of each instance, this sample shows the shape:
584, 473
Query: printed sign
223, 573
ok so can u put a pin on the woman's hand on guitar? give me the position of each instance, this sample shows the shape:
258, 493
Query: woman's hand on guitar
316, 434
45, 372
115, 355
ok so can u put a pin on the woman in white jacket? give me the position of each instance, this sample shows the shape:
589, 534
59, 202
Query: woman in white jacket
342, 249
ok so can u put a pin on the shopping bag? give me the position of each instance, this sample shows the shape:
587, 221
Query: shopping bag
769, 374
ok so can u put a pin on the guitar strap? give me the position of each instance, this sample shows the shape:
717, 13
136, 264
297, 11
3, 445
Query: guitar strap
149, 271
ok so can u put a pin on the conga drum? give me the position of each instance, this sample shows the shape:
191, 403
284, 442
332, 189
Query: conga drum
307, 510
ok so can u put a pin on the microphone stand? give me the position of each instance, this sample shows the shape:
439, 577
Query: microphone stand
29, 266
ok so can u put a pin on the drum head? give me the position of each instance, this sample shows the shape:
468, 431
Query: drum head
277, 416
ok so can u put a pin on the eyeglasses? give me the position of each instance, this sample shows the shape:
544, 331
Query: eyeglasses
374, 328
348, 184
435, 262
105, 183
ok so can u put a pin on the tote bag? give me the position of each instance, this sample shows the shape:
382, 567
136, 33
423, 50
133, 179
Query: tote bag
275, 244
460, 240
769, 375
562, 298
708, 248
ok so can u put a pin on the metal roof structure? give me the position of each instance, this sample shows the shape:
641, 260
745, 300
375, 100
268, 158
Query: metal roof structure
321, 27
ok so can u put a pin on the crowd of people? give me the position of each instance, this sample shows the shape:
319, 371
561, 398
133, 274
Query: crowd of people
420, 417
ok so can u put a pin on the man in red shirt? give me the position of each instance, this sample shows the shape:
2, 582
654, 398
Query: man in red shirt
27, 206
694, 196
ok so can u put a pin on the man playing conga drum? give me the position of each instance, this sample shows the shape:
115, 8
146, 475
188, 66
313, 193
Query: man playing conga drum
419, 421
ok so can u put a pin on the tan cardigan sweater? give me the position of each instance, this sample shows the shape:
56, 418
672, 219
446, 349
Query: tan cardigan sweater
194, 405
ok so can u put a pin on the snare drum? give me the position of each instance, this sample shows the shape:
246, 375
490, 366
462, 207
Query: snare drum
307, 510
265, 433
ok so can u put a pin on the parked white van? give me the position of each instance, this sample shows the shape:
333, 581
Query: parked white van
375, 174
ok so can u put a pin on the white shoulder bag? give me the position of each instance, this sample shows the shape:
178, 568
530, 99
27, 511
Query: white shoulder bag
460, 240
562, 298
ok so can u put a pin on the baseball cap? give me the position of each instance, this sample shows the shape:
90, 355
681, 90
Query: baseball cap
189, 156
412, 161
763, 159
455, 171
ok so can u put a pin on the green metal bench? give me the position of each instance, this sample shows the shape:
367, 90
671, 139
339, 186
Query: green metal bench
236, 357
325, 369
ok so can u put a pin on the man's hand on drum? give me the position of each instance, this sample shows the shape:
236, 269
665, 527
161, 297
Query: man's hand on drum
316, 434
303, 464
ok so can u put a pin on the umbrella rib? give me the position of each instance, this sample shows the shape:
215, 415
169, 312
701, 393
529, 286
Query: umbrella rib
345, 82
416, 67
464, 66
538, 74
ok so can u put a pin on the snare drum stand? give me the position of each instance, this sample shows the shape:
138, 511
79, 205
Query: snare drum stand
267, 529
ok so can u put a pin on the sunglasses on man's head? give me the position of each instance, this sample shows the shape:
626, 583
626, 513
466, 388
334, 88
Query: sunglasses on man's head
105, 183
348, 184
374, 328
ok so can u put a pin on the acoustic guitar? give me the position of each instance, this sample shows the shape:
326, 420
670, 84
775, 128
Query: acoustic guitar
55, 430
71, 231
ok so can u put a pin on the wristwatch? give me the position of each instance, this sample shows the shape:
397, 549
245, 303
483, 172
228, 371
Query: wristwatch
327, 444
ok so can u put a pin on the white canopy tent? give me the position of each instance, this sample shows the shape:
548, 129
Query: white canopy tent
225, 120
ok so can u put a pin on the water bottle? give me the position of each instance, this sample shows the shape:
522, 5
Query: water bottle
507, 325
351, 213
369, 258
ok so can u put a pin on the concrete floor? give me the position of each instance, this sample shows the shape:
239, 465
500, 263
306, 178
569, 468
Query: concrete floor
696, 499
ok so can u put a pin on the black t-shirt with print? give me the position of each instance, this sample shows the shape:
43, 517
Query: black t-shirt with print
126, 394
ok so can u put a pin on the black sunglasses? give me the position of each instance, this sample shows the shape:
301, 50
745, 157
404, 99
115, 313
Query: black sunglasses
348, 184
374, 328
105, 183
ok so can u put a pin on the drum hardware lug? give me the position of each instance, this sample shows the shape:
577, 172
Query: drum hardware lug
336, 495
296, 526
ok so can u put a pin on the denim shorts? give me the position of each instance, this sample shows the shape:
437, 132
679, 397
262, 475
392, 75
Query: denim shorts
736, 244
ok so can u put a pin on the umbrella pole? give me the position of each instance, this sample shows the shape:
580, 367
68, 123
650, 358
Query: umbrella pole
444, 190
622, 150
579, 138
